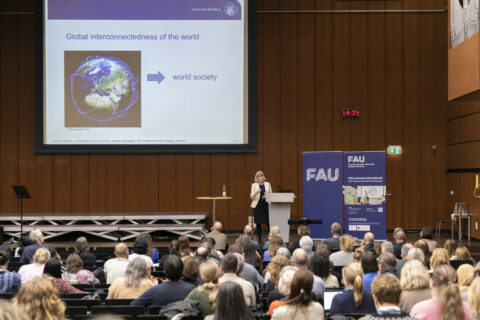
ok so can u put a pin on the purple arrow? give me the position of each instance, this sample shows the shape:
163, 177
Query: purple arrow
155, 77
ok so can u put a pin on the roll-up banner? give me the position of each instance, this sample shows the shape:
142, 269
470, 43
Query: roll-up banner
364, 190
322, 190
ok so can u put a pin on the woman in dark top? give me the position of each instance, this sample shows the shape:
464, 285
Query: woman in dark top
82, 249
355, 299
259, 205
173, 249
191, 269
53, 269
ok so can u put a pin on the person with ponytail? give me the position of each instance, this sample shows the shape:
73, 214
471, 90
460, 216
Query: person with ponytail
474, 299
446, 303
354, 299
299, 305
206, 293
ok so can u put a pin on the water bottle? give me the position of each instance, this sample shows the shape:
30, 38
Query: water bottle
224, 191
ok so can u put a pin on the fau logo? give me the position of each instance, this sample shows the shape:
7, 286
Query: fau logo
356, 159
312, 173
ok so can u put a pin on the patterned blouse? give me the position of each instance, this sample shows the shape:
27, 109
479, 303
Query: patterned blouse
80, 277
64, 287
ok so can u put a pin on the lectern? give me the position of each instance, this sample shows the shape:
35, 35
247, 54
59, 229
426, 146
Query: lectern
279, 205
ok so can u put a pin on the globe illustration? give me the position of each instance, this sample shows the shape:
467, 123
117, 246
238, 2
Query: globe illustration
103, 89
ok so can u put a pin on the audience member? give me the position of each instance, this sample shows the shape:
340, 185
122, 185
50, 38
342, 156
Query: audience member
248, 231
377, 247
416, 254
36, 238
333, 243
301, 260
462, 253
213, 254
207, 292
221, 242
274, 233
75, 273
400, 239
299, 305
185, 249
387, 246
151, 250
306, 243
476, 274
53, 252
140, 249
355, 299
405, 249
368, 243
465, 276
249, 272
386, 291
426, 234
229, 304
370, 268
322, 267
116, 267
173, 289
302, 230
230, 269
10, 311
40, 301
24, 242
415, 285
323, 249
277, 298
446, 302
439, 257
82, 249
387, 263
423, 245
173, 250
345, 255
35, 269
10, 282
451, 245
251, 255
474, 299
202, 254
190, 272
53, 270
135, 282
283, 252
275, 244
272, 272
357, 255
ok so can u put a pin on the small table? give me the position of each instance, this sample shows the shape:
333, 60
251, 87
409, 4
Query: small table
460, 217
213, 200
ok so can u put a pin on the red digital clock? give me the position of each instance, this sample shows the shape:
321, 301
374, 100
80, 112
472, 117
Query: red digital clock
349, 113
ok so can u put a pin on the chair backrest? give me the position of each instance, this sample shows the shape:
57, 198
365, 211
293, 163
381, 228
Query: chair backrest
154, 310
119, 310
118, 302
82, 303
72, 311
457, 263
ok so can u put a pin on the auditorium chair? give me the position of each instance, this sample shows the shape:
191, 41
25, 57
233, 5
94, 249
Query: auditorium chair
118, 302
457, 263
72, 311
89, 304
118, 310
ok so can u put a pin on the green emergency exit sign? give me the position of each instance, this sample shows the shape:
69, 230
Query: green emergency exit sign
394, 149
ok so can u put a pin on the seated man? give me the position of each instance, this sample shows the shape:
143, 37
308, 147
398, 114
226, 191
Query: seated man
400, 239
368, 243
36, 237
230, 270
387, 263
248, 231
10, 282
333, 243
301, 260
169, 291
220, 238
116, 267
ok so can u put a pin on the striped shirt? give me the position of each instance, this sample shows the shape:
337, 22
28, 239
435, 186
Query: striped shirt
10, 282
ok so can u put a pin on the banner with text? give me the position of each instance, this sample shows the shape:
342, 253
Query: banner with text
364, 190
322, 190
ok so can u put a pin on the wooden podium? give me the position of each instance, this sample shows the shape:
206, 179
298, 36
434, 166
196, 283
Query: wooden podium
279, 205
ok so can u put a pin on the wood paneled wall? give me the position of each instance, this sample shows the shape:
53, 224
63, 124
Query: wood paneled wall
393, 66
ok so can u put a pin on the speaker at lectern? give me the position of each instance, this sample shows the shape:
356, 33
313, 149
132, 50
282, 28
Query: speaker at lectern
279, 206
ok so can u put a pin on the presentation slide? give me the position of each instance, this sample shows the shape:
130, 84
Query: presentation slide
149, 72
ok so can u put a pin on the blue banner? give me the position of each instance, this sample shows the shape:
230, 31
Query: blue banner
364, 193
322, 190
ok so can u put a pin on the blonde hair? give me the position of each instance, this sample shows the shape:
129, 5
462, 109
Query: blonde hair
353, 275
286, 278
450, 300
473, 298
11, 311
41, 256
209, 272
275, 244
274, 232
275, 266
346, 242
39, 299
439, 257
465, 275
462, 253
414, 276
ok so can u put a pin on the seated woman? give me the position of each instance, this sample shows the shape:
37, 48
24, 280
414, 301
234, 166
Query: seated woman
275, 243
75, 273
190, 272
173, 250
465, 276
369, 264
426, 234
278, 298
355, 299
272, 272
446, 302
230, 303
35, 269
274, 233
414, 280
82, 249
322, 267
462, 253
299, 304
135, 282
53, 270
185, 249
451, 245
439, 257
474, 299
345, 255
151, 250
251, 255
140, 249
206, 294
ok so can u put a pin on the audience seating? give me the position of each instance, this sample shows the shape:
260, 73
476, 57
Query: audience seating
458, 263
73, 311
118, 302
89, 304
119, 310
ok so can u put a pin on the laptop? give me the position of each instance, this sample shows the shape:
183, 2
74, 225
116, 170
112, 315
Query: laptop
328, 297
